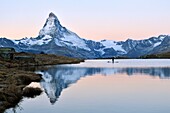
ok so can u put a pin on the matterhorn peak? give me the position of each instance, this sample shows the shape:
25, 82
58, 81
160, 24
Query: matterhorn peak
51, 27
52, 15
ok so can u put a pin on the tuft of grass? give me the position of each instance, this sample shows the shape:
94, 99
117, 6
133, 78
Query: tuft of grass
23, 79
31, 92
10, 97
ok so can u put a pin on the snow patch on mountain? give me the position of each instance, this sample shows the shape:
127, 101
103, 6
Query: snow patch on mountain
33, 41
73, 40
112, 44
162, 37
157, 44
101, 50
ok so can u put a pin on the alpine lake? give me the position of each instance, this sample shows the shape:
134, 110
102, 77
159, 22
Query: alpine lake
100, 86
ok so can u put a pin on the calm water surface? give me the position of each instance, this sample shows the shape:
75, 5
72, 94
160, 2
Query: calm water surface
98, 86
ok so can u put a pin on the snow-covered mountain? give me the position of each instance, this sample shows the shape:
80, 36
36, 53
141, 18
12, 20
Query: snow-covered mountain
53, 38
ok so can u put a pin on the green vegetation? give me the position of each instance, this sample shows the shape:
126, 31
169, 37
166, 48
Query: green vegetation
7, 50
27, 59
159, 56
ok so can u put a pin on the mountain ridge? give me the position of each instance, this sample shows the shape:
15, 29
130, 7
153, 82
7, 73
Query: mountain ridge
53, 38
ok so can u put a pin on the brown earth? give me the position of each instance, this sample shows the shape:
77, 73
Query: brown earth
14, 79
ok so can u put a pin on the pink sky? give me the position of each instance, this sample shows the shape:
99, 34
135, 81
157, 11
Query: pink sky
96, 20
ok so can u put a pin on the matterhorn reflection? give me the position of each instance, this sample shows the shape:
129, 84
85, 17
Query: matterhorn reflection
57, 78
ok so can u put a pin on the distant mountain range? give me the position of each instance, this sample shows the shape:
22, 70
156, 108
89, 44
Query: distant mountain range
53, 38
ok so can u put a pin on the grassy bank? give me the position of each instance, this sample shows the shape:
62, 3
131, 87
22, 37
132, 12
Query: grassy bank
13, 80
12, 84
38, 60
158, 56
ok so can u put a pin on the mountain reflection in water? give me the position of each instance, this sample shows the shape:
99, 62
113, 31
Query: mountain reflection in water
57, 78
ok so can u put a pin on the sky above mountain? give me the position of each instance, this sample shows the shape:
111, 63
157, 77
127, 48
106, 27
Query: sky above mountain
90, 19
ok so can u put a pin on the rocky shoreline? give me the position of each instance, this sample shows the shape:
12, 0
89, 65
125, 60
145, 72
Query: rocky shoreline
13, 79
12, 84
